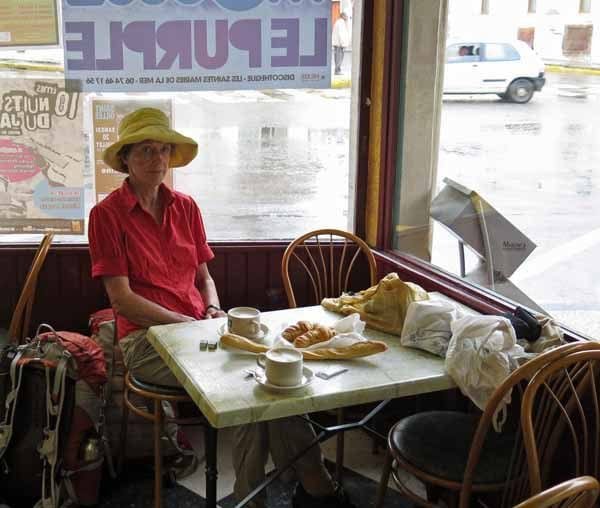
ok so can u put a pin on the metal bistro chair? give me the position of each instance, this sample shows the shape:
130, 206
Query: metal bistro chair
581, 492
460, 454
19, 323
327, 258
560, 418
155, 394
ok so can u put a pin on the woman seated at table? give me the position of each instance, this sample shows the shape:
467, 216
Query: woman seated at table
148, 244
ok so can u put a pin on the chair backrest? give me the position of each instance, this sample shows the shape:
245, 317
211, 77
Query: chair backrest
19, 323
515, 487
328, 258
579, 492
560, 418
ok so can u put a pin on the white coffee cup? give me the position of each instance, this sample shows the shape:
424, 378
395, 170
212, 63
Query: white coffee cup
244, 321
283, 366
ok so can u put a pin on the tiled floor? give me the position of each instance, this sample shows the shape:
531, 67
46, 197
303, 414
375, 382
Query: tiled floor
360, 479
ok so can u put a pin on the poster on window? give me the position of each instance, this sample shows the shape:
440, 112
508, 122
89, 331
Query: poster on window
158, 45
25, 23
106, 116
41, 157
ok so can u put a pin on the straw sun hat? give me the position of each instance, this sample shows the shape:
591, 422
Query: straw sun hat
151, 124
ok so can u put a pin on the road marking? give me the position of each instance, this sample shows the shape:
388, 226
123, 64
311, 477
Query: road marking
544, 262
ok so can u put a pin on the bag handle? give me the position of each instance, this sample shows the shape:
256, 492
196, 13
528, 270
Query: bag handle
50, 329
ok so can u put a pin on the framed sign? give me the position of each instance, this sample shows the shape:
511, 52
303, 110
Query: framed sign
41, 157
106, 117
25, 23
178, 45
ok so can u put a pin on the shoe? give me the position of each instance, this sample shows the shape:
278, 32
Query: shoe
339, 499
183, 466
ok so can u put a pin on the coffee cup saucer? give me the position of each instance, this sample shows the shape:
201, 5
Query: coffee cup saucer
308, 377
264, 331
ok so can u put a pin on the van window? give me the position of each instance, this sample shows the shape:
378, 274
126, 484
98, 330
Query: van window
495, 52
464, 52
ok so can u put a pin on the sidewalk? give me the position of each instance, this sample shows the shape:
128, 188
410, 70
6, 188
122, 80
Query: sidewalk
571, 67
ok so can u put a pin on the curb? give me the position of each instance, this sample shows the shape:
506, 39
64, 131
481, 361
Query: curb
26, 66
341, 83
566, 69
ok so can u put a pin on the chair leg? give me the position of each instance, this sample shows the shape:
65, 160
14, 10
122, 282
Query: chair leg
158, 422
123, 436
339, 451
383, 483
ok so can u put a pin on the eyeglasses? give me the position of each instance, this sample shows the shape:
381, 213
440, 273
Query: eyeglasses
149, 152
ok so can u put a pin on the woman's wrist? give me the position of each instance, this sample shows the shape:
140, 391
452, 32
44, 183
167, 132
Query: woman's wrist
215, 308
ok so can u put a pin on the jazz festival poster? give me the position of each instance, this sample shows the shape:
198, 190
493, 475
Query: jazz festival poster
179, 45
106, 117
41, 157
25, 23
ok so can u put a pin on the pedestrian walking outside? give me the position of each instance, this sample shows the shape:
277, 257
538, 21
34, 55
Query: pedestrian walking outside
340, 40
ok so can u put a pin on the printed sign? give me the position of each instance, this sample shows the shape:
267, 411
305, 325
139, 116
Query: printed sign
106, 117
154, 45
28, 23
41, 157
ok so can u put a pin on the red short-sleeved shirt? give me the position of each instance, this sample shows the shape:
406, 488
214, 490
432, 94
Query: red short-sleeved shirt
160, 261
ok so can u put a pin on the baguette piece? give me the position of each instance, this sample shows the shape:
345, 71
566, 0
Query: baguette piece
239, 342
357, 350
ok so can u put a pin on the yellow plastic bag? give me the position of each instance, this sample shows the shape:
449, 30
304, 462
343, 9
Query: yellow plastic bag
383, 307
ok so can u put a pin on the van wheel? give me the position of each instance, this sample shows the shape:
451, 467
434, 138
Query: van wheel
520, 90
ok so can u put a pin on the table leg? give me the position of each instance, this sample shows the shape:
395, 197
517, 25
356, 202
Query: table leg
210, 446
339, 451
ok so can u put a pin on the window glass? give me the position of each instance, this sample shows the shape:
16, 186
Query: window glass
271, 164
495, 52
514, 201
464, 52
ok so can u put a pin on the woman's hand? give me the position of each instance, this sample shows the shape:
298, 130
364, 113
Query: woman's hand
214, 312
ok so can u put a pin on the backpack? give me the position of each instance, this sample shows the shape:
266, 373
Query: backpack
37, 407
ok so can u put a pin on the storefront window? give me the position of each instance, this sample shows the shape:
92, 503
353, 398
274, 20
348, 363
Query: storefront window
272, 164
529, 156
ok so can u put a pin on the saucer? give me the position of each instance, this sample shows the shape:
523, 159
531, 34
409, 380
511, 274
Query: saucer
307, 378
264, 329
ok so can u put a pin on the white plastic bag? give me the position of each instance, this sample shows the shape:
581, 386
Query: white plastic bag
480, 356
427, 325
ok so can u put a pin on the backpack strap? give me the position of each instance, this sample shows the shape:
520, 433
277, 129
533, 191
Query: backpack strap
6, 427
49, 446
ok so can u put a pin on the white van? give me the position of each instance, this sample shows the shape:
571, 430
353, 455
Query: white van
512, 70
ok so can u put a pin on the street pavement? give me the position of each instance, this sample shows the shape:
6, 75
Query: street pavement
539, 165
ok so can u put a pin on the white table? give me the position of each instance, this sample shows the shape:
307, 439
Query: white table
217, 384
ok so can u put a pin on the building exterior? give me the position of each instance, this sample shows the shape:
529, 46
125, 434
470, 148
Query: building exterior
561, 31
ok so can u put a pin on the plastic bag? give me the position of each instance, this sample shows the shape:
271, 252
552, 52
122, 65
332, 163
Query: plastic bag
481, 355
427, 325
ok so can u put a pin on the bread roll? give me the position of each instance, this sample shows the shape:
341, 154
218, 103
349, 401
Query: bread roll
319, 333
293, 331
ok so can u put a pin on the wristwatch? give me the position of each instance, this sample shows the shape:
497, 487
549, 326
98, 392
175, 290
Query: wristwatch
211, 306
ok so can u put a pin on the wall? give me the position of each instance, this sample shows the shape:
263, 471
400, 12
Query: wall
418, 136
245, 274
549, 21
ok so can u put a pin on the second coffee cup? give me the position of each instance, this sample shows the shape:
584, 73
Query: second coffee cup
283, 366
244, 321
